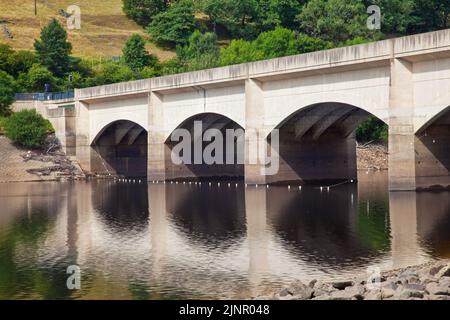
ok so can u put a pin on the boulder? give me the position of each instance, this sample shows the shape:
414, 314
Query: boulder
434, 288
300, 290
341, 285
444, 272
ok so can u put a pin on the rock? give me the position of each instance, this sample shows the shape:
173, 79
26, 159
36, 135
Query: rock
312, 283
406, 294
373, 295
435, 269
300, 290
341, 285
414, 287
444, 272
387, 293
432, 297
389, 285
434, 288
284, 293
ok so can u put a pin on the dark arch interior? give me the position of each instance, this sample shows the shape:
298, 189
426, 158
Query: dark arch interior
123, 149
432, 151
216, 171
317, 144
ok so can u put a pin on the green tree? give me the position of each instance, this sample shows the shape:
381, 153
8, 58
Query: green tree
430, 15
143, 11
21, 61
239, 17
239, 51
274, 13
110, 72
36, 78
396, 15
53, 49
27, 128
174, 26
201, 51
334, 20
5, 53
373, 129
7, 92
271, 44
135, 55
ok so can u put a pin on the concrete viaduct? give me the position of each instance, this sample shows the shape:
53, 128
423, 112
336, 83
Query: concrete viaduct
316, 100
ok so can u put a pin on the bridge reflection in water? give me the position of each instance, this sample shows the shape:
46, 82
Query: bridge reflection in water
134, 241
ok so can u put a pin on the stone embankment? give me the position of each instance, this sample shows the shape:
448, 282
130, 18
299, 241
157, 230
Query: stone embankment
21, 165
372, 157
425, 282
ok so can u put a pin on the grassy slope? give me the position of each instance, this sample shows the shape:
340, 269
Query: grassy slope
104, 26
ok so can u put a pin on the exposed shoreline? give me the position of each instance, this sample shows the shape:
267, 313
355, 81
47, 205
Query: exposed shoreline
429, 281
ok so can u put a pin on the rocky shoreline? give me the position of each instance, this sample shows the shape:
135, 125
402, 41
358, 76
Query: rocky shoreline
429, 281
372, 156
48, 164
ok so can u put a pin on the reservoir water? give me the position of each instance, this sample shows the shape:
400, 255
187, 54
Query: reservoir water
173, 241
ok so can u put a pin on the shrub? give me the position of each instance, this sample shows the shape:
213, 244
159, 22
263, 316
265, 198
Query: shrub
372, 129
2, 125
7, 93
27, 128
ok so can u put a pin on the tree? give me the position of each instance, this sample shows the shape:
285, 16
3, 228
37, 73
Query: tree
334, 20
239, 51
7, 92
36, 78
21, 61
430, 15
143, 11
27, 128
396, 15
53, 49
271, 44
110, 72
174, 26
135, 55
201, 51
5, 53
239, 17
274, 13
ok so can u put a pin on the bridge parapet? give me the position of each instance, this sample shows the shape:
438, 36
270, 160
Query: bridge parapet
116, 89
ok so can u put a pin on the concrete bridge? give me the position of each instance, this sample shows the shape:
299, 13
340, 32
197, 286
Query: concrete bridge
316, 100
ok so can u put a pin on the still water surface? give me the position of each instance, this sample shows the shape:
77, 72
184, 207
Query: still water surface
139, 241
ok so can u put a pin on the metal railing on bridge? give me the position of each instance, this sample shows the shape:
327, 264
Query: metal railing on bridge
48, 96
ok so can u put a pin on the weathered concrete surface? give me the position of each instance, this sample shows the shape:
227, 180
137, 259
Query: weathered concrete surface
402, 81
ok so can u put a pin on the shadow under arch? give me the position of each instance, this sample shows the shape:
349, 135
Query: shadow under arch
123, 149
226, 129
318, 144
432, 152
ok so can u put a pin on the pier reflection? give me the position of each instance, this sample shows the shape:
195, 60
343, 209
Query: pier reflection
139, 241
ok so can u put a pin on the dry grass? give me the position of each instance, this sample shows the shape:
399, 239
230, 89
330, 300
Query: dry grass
104, 27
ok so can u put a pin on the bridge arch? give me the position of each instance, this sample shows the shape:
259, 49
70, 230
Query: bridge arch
228, 156
122, 149
432, 152
317, 143
376, 105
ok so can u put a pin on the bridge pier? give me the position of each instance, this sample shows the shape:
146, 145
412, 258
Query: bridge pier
401, 127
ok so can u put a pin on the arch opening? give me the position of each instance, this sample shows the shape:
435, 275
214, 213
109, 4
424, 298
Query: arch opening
432, 152
207, 146
122, 149
318, 144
